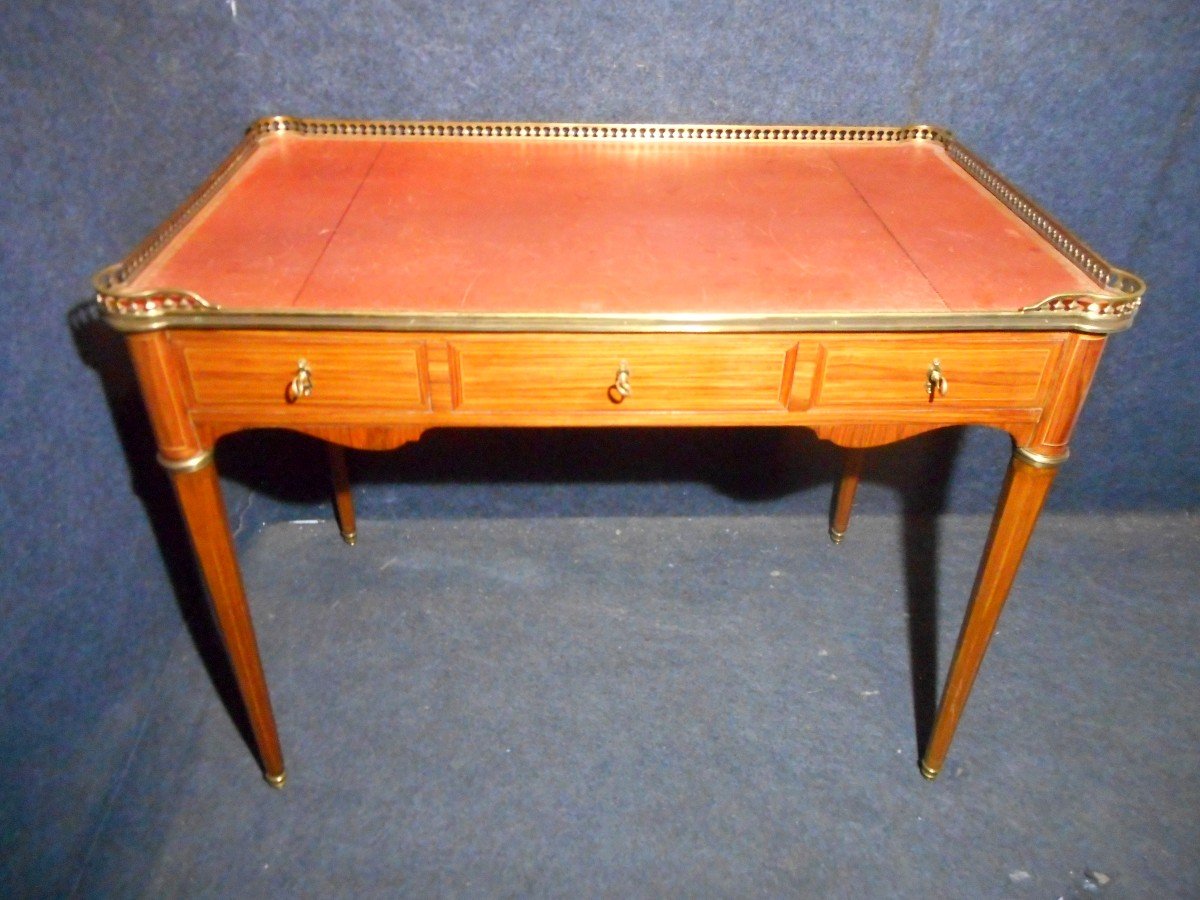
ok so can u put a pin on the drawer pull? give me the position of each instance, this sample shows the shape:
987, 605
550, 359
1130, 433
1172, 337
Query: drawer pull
301, 385
620, 387
935, 381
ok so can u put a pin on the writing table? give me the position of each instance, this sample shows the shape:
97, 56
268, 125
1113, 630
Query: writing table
363, 282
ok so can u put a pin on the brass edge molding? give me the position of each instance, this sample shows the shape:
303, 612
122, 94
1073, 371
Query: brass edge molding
1084, 311
1126, 288
1099, 306
1041, 221
109, 281
1040, 460
597, 323
150, 303
184, 466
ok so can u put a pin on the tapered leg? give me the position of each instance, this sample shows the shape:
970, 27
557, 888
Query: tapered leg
343, 499
1025, 488
844, 498
199, 493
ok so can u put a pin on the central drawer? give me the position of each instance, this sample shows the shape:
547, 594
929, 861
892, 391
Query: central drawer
604, 373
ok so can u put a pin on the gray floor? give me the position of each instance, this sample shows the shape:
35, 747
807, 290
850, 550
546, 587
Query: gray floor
650, 706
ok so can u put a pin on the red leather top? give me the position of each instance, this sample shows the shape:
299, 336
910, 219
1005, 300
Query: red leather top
602, 226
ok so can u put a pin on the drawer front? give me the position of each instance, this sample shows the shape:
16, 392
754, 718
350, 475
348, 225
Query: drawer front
979, 371
347, 370
579, 373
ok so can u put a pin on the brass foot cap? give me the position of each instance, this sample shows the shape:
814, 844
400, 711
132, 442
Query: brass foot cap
836, 536
276, 781
350, 537
928, 773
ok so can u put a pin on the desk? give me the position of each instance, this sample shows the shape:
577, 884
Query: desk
363, 282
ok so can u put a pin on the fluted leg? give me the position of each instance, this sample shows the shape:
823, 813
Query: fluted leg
1025, 488
199, 493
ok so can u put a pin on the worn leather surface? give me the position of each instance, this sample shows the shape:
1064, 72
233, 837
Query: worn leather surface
613, 227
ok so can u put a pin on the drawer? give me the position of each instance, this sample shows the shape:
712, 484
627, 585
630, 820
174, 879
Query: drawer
346, 370
579, 373
977, 370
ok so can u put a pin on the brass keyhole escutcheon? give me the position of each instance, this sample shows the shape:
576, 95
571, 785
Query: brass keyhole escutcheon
620, 388
301, 385
935, 381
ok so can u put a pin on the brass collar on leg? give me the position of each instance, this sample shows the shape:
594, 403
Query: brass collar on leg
183, 466
1041, 460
